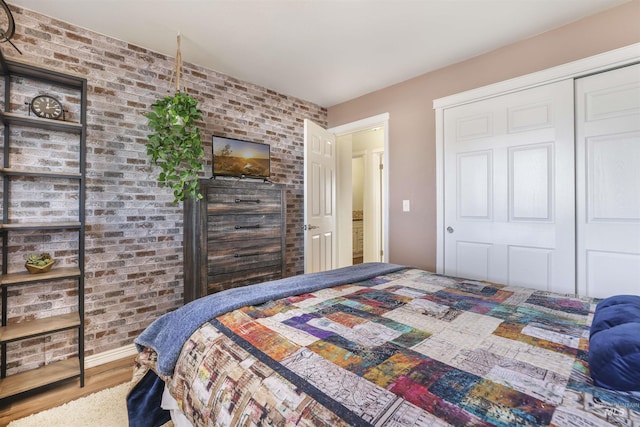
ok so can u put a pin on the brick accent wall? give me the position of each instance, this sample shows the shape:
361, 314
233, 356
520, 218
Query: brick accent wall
134, 231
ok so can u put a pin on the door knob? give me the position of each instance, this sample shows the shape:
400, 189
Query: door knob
450, 229
312, 227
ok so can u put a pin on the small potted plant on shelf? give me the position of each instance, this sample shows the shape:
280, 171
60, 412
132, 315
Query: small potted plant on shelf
39, 263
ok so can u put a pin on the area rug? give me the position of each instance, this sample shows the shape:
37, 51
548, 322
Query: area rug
106, 408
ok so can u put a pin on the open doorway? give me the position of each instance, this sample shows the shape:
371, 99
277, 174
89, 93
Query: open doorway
361, 191
366, 190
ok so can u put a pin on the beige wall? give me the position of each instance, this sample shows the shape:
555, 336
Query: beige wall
412, 120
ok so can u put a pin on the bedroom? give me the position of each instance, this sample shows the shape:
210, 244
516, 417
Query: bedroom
134, 255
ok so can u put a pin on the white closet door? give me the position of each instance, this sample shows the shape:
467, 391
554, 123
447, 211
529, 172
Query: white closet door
608, 182
508, 189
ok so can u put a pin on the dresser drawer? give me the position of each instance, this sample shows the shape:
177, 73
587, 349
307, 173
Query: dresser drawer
229, 201
220, 282
227, 257
236, 227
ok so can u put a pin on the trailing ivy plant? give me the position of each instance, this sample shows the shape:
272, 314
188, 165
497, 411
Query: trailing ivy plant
176, 145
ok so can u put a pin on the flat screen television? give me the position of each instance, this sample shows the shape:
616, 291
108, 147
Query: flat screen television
245, 159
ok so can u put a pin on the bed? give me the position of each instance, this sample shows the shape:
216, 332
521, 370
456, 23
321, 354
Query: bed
375, 345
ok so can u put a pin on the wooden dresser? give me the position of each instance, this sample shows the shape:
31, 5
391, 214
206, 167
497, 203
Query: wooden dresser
234, 236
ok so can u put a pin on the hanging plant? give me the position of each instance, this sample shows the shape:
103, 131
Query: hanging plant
176, 144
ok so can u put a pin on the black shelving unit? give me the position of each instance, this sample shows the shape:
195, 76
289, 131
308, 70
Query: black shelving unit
55, 372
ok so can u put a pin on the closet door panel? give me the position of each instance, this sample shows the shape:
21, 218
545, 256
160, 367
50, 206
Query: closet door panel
530, 266
613, 177
508, 189
475, 185
611, 273
531, 183
608, 182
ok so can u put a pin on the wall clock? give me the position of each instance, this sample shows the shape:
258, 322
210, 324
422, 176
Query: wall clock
46, 106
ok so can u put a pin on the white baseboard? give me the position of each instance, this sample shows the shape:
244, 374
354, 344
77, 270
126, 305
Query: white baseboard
110, 356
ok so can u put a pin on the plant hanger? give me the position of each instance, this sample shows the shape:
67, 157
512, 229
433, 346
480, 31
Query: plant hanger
177, 68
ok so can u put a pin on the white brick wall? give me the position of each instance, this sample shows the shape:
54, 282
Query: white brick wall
134, 231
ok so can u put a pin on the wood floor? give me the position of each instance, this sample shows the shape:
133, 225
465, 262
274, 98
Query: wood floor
96, 379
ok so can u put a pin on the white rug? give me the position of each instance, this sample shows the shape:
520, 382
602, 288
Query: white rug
106, 408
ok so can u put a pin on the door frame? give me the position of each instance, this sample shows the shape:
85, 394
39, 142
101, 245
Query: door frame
615, 58
364, 124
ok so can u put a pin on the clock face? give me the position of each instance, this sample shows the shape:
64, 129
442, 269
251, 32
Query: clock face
46, 106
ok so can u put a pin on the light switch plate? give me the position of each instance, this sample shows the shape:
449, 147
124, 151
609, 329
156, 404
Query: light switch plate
406, 206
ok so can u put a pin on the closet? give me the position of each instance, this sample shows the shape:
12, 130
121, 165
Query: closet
540, 185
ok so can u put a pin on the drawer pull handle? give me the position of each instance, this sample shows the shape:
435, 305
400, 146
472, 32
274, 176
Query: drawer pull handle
243, 255
247, 200
242, 227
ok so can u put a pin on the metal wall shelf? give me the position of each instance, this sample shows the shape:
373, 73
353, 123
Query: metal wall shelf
52, 373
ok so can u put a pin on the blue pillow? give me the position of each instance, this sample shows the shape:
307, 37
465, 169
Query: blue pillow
614, 343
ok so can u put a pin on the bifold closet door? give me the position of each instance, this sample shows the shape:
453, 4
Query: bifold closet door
509, 211
608, 182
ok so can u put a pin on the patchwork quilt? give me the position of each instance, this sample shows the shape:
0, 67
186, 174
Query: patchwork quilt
408, 348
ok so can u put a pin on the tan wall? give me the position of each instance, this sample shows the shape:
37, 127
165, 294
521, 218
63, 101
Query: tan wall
412, 120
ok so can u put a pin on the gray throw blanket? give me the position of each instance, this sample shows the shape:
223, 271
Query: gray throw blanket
168, 333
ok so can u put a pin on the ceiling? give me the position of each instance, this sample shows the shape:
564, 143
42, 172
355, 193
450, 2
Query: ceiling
323, 51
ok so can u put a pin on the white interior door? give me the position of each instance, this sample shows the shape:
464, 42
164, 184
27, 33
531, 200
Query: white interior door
320, 250
509, 213
608, 182
372, 221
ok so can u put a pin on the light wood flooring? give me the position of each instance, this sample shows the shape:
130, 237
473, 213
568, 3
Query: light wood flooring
96, 379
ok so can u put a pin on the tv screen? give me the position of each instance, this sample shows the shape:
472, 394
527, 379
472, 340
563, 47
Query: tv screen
234, 157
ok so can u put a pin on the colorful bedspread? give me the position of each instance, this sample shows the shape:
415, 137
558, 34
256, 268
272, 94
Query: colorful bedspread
409, 348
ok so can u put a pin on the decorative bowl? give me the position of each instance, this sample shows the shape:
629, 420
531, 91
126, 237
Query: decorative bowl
35, 269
